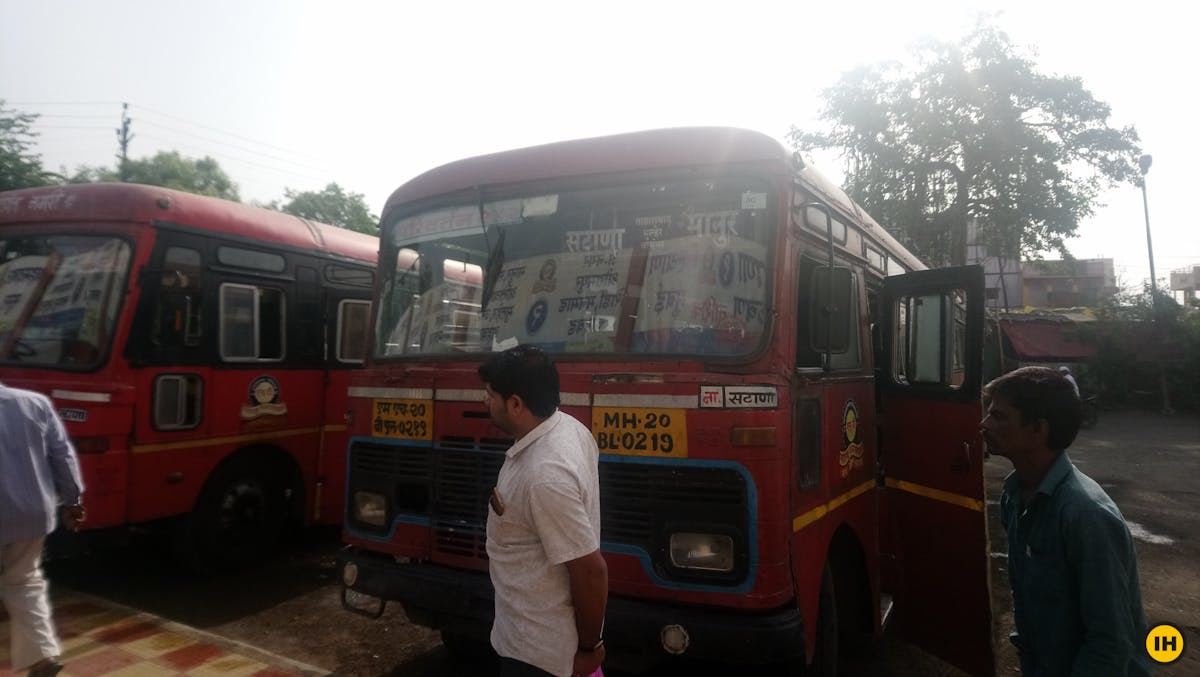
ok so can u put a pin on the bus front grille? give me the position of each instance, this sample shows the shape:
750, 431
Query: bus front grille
449, 484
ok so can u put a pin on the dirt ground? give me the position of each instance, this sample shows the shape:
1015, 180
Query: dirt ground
1149, 464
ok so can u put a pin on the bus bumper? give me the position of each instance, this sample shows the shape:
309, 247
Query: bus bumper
463, 602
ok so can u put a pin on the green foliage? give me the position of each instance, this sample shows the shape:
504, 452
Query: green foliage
1139, 342
171, 170
973, 131
90, 174
19, 168
334, 206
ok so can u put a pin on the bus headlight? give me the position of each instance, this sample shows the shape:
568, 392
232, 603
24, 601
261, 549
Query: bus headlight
370, 508
704, 552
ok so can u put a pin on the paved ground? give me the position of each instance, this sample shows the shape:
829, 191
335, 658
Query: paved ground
104, 639
1149, 464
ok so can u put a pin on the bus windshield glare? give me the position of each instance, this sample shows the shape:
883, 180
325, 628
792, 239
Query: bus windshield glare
59, 296
675, 267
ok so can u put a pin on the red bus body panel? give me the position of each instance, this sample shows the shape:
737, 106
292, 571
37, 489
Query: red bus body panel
134, 473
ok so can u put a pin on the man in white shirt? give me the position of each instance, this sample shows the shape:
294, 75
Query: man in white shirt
543, 528
38, 472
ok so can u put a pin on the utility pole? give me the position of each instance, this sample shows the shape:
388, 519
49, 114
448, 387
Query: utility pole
1144, 163
123, 138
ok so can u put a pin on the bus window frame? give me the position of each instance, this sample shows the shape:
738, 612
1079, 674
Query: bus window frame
185, 378
256, 317
340, 327
776, 213
76, 228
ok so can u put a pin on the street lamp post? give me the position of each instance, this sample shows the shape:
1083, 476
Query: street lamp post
1144, 163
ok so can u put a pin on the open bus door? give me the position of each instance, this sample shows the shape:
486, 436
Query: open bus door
934, 526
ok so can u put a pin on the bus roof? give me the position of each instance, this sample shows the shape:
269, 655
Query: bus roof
128, 202
653, 149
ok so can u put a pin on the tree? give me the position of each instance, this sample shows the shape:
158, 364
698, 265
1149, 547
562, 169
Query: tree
171, 170
973, 132
332, 205
19, 168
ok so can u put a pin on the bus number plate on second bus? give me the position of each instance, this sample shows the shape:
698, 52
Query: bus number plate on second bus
640, 432
403, 419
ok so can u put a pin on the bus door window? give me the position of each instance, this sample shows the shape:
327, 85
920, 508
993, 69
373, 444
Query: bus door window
822, 327
251, 323
930, 342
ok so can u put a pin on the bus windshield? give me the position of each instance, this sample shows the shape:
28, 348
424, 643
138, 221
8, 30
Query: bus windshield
677, 267
59, 296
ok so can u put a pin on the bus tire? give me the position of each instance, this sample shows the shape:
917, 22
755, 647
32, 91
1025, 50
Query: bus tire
238, 518
825, 656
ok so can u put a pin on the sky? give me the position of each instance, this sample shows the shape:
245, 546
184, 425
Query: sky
296, 94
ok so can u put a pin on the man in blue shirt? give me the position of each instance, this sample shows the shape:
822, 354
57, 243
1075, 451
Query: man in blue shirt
1071, 561
38, 471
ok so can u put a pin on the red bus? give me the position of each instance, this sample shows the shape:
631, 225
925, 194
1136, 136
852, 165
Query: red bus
198, 351
786, 401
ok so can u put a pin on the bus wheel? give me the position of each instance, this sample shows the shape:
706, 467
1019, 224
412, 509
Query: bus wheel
825, 658
238, 518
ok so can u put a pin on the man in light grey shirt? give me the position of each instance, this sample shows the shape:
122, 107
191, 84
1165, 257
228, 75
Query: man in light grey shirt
543, 527
38, 472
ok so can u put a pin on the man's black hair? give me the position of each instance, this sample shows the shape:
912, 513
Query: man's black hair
526, 371
1041, 393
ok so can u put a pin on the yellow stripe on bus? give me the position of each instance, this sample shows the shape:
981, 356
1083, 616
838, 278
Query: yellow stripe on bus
801, 521
937, 494
234, 439
820, 511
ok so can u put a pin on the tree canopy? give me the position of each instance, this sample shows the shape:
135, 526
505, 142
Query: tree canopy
168, 169
975, 132
334, 206
19, 168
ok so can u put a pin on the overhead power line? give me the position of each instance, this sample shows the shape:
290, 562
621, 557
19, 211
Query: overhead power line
64, 103
75, 117
232, 158
41, 126
133, 115
137, 108
221, 131
230, 145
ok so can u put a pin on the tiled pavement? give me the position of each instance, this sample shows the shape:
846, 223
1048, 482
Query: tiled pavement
101, 639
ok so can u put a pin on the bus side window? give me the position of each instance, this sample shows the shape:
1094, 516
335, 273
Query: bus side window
179, 314
352, 320
252, 323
